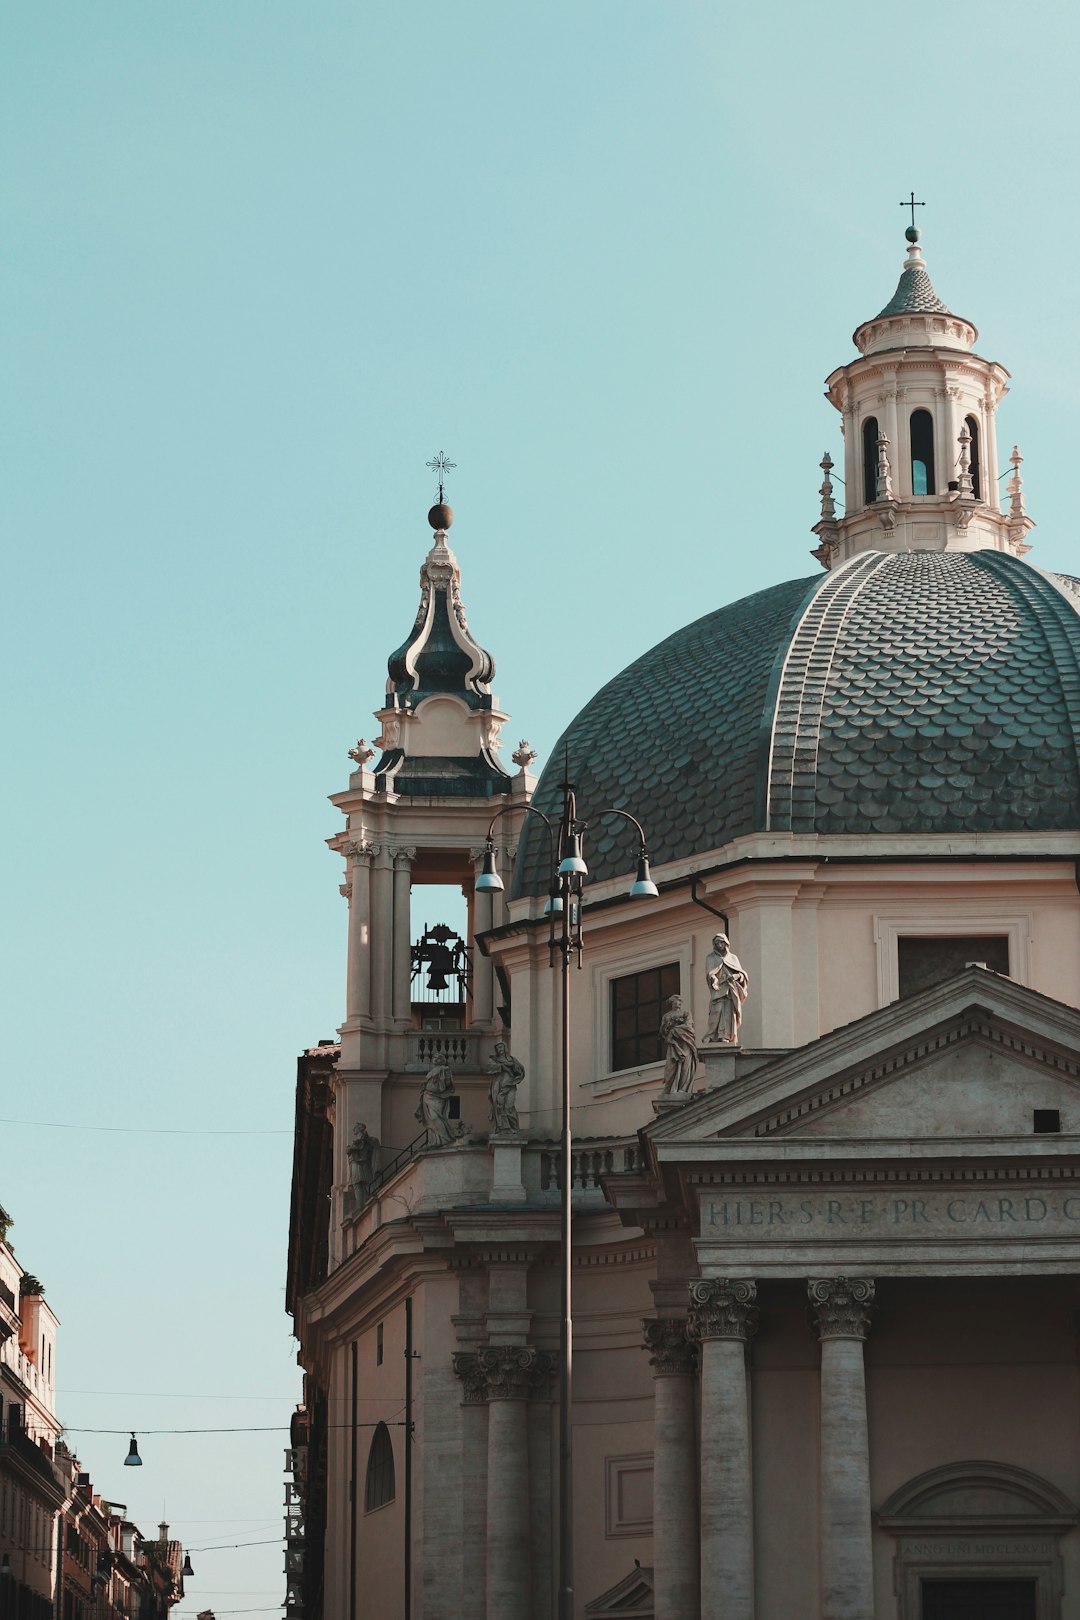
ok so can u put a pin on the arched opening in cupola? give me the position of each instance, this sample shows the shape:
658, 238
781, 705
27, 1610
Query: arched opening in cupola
869, 459
922, 453
973, 451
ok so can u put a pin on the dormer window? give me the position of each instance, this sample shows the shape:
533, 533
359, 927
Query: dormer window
922, 453
973, 451
869, 459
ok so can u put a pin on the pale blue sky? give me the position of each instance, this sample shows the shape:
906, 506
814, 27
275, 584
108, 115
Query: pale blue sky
259, 261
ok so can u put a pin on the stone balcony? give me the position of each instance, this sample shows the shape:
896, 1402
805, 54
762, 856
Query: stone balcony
506, 1170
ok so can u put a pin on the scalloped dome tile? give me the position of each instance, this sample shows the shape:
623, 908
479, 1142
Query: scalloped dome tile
933, 691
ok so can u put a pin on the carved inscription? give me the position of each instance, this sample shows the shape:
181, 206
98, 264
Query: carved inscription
1000, 1547
980, 1213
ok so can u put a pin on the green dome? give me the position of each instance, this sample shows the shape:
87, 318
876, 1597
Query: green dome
907, 692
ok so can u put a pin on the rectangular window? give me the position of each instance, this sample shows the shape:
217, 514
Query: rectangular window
637, 1004
925, 960
378, 1345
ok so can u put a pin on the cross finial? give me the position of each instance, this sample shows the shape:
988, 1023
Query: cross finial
441, 466
912, 204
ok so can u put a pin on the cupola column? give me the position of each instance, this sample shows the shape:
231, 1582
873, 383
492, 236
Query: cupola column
841, 1308
723, 1318
483, 971
402, 935
382, 922
676, 1542
358, 999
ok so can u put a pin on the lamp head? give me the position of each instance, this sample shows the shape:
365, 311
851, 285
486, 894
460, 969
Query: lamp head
572, 863
187, 1569
552, 903
5, 1565
489, 879
133, 1460
643, 884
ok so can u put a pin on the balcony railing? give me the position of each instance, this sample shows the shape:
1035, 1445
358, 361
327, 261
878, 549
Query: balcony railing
457, 1048
590, 1158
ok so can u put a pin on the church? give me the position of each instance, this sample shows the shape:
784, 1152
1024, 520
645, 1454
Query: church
822, 1061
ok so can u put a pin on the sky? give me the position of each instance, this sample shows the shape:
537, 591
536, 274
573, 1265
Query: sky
259, 262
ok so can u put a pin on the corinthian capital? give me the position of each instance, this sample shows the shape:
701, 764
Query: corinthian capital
723, 1308
358, 849
468, 1369
841, 1306
669, 1346
404, 856
509, 1370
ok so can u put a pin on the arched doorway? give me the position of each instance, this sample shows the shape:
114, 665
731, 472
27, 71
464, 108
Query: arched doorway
978, 1541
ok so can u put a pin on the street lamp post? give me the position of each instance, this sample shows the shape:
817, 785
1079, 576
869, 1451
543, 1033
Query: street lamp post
568, 872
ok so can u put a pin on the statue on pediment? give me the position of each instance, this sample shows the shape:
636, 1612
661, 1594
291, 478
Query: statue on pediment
729, 985
680, 1047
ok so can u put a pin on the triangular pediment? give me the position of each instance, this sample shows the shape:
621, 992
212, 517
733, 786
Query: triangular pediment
972, 1058
632, 1596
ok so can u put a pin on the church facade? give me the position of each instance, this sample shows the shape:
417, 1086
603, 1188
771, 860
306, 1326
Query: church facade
825, 1087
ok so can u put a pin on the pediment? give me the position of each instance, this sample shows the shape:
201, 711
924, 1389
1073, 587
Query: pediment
633, 1595
966, 1496
971, 1058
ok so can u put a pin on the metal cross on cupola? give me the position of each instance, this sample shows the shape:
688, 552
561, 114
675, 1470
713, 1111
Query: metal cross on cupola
912, 204
440, 466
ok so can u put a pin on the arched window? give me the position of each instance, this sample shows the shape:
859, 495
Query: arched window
922, 453
973, 450
869, 459
379, 1482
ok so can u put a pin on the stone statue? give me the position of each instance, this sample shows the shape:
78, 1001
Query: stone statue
506, 1075
680, 1046
364, 1155
433, 1109
728, 986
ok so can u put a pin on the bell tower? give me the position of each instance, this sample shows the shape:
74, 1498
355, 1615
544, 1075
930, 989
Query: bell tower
417, 811
920, 434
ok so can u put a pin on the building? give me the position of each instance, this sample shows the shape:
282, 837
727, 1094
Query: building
825, 1288
65, 1552
31, 1485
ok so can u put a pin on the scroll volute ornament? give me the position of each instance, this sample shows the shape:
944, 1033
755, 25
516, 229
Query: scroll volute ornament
509, 1370
841, 1306
723, 1308
670, 1348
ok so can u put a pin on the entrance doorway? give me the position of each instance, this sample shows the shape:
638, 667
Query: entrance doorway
978, 1600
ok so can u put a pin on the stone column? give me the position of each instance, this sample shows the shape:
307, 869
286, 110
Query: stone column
676, 1548
358, 889
474, 1482
508, 1370
382, 929
483, 971
403, 859
723, 1318
841, 1309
